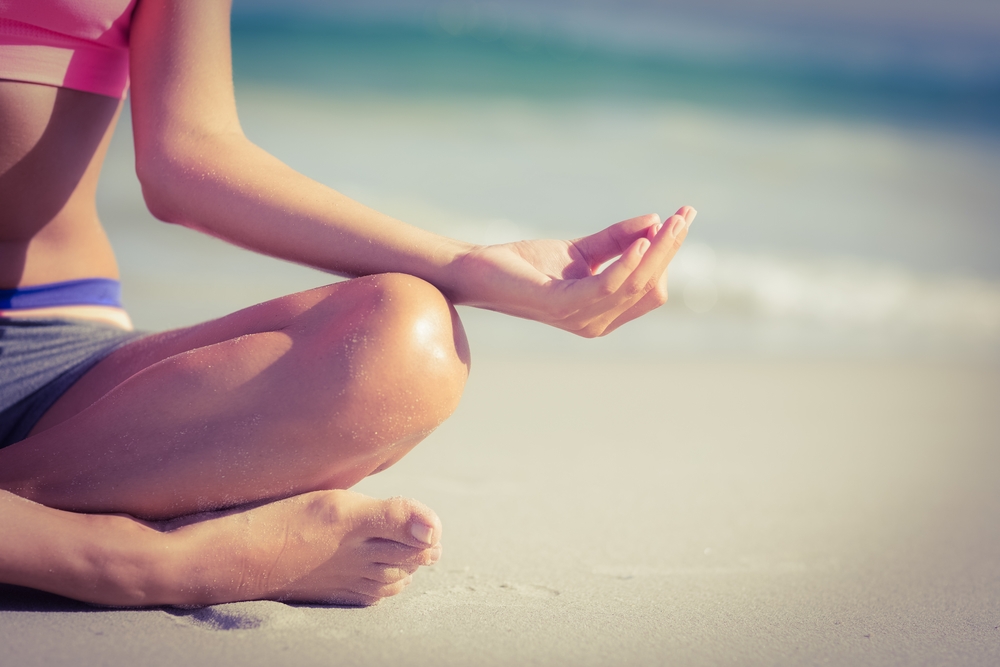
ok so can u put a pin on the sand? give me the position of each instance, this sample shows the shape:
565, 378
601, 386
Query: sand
614, 512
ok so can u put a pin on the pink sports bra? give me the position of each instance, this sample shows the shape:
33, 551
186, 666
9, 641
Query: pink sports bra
79, 44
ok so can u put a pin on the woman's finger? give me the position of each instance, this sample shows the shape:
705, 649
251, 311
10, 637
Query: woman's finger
609, 281
641, 290
614, 240
630, 309
588, 300
651, 301
655, 261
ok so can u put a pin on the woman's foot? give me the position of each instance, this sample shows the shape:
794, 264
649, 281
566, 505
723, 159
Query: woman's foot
326, 546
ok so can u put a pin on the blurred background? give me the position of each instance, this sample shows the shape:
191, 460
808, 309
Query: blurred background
844, 158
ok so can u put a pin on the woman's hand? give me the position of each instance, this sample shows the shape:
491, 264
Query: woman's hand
556, 282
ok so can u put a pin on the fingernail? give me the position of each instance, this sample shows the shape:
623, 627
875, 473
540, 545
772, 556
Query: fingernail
422, 532
677, 225
643, 246
657, 227
692, 216
434, 555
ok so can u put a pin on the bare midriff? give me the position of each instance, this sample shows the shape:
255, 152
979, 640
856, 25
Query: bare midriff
52, 145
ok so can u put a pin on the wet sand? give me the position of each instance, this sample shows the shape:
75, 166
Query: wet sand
604, 512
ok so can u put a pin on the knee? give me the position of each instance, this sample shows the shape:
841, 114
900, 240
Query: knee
407, 355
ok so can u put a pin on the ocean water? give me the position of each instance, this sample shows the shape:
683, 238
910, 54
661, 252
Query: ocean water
848, 204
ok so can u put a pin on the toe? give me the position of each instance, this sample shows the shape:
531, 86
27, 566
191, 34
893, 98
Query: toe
402, 520
387, 552
379, 589
390, 574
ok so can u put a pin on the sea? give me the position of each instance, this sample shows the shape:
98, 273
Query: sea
844, 160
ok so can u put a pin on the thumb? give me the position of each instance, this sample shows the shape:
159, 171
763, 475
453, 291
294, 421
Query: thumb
614, 240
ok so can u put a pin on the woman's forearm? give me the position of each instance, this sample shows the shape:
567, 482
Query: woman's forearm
224, 185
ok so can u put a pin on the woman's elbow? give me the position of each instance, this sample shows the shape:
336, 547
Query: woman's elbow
159, 178
159, 205
181, 173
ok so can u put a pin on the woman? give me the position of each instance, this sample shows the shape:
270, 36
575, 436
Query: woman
117, 444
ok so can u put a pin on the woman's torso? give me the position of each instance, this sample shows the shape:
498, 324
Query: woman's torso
52, 145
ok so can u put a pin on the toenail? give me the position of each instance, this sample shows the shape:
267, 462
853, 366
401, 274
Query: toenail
422, 532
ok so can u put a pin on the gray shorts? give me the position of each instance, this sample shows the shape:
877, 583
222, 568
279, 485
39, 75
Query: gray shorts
40, 359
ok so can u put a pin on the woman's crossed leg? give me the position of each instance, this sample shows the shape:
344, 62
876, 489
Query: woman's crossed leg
304, 393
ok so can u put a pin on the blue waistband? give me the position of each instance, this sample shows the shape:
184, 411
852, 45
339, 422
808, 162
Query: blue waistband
86, 292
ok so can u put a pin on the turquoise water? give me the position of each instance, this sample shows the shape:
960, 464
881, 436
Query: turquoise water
426, 61
844, 209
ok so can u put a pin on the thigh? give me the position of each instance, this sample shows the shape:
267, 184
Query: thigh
270, 316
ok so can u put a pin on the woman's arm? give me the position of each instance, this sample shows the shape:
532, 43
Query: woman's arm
198, 169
